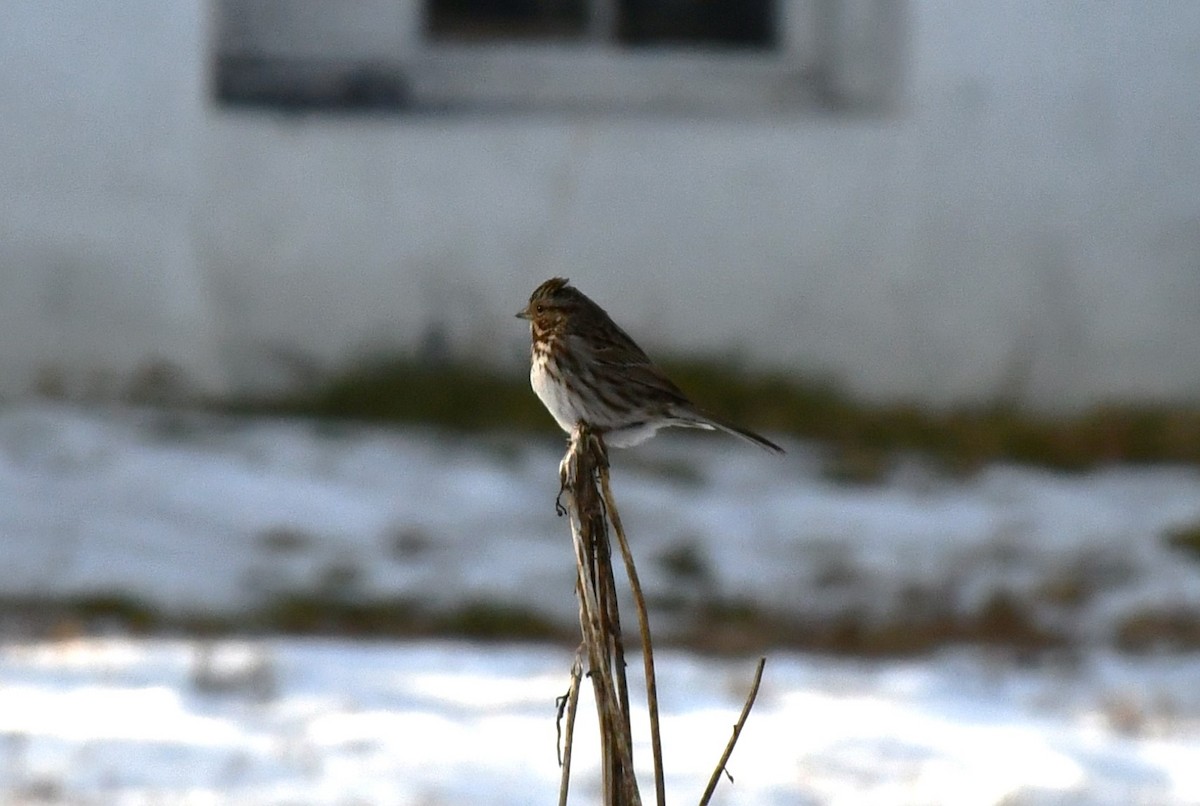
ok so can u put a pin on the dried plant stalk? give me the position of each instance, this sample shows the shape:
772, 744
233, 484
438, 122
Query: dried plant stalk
591, 506
571, 705
599, 619
737, 731
639, 602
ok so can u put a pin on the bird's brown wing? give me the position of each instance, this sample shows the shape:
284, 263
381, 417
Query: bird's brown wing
605, 344
622, 356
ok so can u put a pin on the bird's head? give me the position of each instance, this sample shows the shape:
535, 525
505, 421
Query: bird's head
551, 305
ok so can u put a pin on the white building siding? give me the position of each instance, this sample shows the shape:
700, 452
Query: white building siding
1025, 223
101, 119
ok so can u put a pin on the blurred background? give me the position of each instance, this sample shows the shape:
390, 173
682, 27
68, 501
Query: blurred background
276, 501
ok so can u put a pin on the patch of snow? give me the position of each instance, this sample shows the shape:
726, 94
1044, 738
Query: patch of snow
209, 514
123, 721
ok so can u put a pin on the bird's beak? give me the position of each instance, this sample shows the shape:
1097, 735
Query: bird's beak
523, 315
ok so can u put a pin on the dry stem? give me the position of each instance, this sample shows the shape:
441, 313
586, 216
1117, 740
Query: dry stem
591, 506
639, 602
737, 731
572, 707
599, 620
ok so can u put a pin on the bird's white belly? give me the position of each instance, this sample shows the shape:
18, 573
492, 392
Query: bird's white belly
567, 410
555, 398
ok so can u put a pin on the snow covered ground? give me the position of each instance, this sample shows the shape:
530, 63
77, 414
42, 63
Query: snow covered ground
199, 514
114, 721
205, 514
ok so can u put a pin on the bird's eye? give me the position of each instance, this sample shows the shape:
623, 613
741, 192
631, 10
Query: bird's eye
537, 308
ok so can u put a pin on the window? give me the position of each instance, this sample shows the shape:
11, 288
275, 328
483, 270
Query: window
313, 54
710, 23
483, 21
657, 56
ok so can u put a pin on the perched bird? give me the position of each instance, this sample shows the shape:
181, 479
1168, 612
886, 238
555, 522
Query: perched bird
586, 368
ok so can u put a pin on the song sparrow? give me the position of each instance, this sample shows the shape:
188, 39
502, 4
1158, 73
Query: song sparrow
586, 368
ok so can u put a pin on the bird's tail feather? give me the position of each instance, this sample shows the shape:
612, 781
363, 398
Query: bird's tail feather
710, 422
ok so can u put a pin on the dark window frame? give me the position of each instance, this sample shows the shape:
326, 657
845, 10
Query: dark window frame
821, 57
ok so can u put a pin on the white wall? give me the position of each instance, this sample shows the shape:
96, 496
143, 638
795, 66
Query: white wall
1026, 224
100, 126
